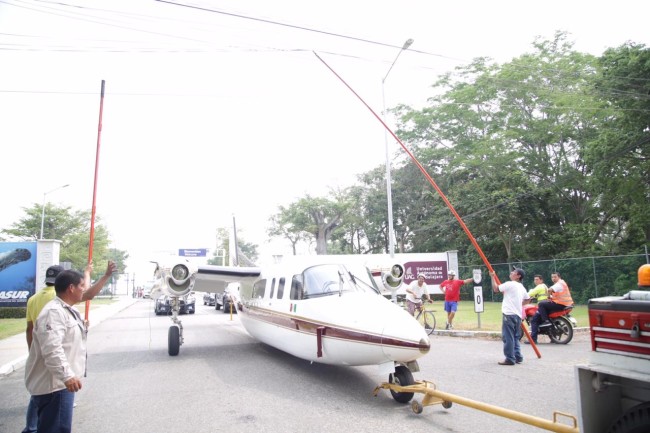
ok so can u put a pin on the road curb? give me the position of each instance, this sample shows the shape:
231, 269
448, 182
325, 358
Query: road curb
485, 334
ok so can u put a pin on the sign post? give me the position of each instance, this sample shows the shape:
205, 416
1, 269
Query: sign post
478, 296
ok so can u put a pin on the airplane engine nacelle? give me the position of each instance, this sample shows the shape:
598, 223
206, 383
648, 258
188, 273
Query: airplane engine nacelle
393, 280
176, 281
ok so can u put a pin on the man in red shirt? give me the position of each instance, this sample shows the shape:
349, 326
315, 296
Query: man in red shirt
451, 289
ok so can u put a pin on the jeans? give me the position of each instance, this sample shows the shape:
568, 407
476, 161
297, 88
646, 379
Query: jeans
534, 326
54, 411
31, 417
544, 308
509, 333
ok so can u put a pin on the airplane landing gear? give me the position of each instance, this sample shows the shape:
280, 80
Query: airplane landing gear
175, 334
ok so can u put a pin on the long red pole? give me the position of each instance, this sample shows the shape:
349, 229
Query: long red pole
435, 186
92, 217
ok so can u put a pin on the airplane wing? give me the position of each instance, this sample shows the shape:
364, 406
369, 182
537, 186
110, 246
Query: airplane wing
214, 279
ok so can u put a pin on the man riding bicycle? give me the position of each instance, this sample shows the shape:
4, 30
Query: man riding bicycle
414, 293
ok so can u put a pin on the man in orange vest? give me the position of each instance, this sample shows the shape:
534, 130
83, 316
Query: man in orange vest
559, 297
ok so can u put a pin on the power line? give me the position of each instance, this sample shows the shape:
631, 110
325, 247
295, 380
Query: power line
308, 29
499, 83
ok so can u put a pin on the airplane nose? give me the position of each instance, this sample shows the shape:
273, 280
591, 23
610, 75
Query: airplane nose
425, 345
405, 339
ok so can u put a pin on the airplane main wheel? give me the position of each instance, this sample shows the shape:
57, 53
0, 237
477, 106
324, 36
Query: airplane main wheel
402, 377
173, 340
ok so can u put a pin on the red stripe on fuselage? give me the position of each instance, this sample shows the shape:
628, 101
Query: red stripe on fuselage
301, 324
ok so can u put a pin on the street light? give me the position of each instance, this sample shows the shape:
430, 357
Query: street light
389, 193
43, 211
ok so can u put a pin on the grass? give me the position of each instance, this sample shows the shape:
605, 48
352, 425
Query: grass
10, 327
466, 319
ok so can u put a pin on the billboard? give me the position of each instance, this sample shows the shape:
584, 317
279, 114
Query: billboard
435, 271
17, 273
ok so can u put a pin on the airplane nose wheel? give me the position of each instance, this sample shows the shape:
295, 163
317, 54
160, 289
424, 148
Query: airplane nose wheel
401, 377
175, 334
173, 340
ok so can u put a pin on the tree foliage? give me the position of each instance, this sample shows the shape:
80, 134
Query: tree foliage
247, 252
547, 155
317, 217
72, 228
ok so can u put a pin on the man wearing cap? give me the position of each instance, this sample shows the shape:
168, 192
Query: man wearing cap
36, 303
451, 288
514, 297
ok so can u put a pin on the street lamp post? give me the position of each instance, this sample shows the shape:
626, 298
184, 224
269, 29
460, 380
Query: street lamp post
389, 193
43, 211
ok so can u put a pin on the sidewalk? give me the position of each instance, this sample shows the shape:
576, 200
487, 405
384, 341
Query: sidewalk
13, 350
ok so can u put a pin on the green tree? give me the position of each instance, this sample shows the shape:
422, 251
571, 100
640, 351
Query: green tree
620, 155
313, 217
58, 222
512, 135
283, 225
72, 228
247, 252
371, 212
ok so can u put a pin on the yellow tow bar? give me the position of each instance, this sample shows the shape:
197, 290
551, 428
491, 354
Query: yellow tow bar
433, 396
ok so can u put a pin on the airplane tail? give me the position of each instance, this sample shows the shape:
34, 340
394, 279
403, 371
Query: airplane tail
232, 245
237, 257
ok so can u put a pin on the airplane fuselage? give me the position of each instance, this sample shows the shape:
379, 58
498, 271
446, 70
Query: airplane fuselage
321, 309
329, 313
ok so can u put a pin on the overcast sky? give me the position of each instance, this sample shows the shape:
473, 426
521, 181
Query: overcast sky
210, 114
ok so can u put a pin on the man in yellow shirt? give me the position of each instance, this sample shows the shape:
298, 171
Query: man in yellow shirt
36, 303
540, 290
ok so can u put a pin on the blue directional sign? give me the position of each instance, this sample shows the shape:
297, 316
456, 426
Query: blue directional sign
195, 252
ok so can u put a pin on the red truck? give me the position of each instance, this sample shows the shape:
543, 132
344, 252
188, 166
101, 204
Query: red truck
614, 387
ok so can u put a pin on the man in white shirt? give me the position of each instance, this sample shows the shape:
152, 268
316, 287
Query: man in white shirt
414, 293
514, 297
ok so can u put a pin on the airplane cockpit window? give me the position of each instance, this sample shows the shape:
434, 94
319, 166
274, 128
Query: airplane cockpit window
258, 289
296, 287
326, 280
281, 288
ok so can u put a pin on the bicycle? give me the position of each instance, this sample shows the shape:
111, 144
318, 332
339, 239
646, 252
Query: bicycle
426, 318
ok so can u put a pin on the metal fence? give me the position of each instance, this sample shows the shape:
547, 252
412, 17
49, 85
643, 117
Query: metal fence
587, 277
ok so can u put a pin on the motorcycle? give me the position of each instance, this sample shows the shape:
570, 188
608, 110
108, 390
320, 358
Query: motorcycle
560, 328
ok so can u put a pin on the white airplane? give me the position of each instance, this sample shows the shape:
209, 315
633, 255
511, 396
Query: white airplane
317, 308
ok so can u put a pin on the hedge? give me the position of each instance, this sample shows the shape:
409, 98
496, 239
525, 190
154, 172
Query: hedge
12, 312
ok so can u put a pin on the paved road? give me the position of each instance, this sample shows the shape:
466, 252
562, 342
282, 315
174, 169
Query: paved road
225, 381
